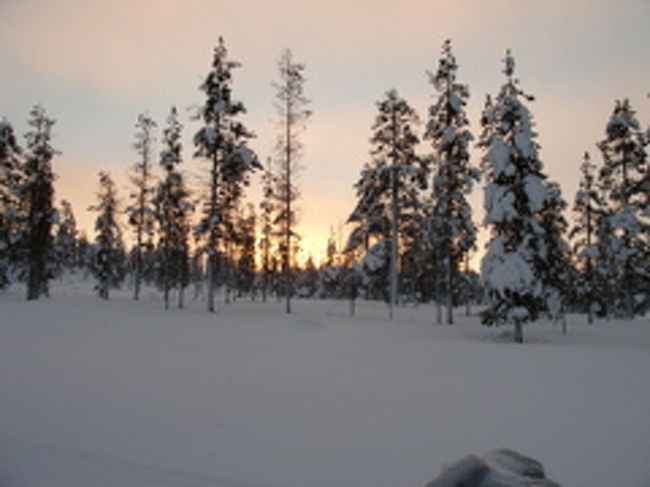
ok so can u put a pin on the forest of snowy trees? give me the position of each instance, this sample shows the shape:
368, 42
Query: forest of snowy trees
411, 231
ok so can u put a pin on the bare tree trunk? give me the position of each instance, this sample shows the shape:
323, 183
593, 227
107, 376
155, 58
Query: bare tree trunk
137, 265
438, 296
181, 296
393, 248
519, 332
287, 236
468, 296
450, 291
211, 276
213, 236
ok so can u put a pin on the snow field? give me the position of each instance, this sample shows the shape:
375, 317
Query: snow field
123, 393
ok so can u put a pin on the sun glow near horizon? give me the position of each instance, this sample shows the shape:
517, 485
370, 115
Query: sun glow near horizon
96, 65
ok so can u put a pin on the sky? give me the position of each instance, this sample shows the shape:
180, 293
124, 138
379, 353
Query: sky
95, 65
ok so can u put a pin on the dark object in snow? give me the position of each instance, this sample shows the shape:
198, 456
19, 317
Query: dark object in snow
498, 468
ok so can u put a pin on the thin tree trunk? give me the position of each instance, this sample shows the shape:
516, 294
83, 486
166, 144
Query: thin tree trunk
211, 277
450, 292
138, 264
287, 237
393, 248
468, 296
519, 332
438, 295
181, 296
213, 237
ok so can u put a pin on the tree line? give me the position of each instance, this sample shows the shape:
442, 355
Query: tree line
411, 230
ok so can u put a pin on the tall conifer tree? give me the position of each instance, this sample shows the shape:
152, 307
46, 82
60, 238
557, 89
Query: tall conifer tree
292, 117
389, 190
108, 261
515, 194
625, 180
222, 142
140, 211
173, 211
586, 207
449, 134
37, 205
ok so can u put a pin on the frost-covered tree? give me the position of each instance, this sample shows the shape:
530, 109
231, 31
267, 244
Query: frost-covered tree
108, 262
389, 190
222, 142
587, 206
515, 194
173, 210
9, 202
38, 215
449, 134
140, 211
292, 117
65, 241
625, 180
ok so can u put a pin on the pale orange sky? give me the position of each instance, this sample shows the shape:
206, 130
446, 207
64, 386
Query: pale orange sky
96, 64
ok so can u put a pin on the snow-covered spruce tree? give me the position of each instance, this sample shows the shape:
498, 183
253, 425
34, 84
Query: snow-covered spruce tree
173, 211
35, 253
140, 211
108, 262
515, 195
369, 234
586, 206
292, 117
65, 241
9, 202
222, 142
389, 189
449, 134
625, 179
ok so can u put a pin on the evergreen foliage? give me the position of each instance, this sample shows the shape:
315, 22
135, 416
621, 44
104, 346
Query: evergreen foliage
140, 211
109, 256
292, 117
173, 211
222, 142
587, 207
554, 261
35, 250
9, 203
65, 241
245, 265
389, 194
625, 180
267, 210
515, 195
453, 233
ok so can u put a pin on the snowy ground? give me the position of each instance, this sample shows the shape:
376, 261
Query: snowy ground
124, 394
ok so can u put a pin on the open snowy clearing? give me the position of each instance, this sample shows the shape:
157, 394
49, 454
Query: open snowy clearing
126, 394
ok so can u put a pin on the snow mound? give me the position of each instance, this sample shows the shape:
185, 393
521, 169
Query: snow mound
498, 468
